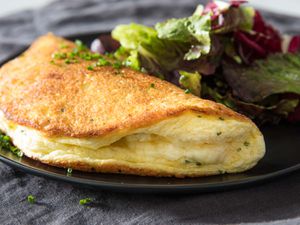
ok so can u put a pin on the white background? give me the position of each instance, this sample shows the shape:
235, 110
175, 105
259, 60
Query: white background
289, 7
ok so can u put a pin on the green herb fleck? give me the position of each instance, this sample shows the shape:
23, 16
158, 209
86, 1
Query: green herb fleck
90, 67
199, 116
86, 56
69, 171
80, 45
219, 133
198, 163
239, 149
59, 56
221, 118
102, 62
67, 61
96, 56
85, 201
117, 65
187, 161
62, 109
31, 199
5, 143
187, 91
109, 55
63, 45
152, 85
246, 143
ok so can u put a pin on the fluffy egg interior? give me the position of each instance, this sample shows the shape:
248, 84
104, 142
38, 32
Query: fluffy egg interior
189, 144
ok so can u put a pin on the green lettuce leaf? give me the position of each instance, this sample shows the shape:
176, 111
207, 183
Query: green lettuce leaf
141, 48
272, 113
236, 18
190, 81
279, 73
193, 31
130, 36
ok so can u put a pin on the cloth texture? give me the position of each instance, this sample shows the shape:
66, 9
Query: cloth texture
276, 202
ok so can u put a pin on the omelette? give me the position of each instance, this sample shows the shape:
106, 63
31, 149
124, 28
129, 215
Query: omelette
73, 113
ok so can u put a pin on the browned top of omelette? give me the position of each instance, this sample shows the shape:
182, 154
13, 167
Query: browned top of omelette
71, 100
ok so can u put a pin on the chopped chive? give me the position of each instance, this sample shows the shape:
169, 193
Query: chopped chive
187, 91
80, 45
219, 133
85, 201
152, 85
102, 62
187, 161
59, 55
239, 149
72, 55
109, 55
78, 42
198, 163
96, 56
199, 116
69, 171
86, 56
63, 46
221, 118
31, 199
6, 143
246, 143
90, 67
117, 65
75, 51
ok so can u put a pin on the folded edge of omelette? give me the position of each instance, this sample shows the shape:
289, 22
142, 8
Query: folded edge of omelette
179, 135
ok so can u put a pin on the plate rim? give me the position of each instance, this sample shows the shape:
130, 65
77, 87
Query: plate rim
153, 188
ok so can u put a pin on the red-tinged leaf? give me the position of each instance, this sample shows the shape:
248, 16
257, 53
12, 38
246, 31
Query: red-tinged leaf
264, 40
237, 3
212, 8
294, 45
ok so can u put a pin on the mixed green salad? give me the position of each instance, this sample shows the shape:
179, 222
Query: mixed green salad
225, 52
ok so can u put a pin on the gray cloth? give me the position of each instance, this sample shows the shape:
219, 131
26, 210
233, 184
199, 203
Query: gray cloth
277, 202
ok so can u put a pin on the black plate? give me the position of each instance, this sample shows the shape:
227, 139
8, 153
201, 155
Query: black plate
282, 157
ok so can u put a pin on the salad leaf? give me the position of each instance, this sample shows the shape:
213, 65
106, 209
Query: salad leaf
130, 36
133, 60
190, 81
225, 52
261, 41
258, 112
142, 45
294, 45
235, 18
193, 31
279, 73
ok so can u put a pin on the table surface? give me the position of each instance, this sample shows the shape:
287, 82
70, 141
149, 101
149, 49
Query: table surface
276, 202
291, 7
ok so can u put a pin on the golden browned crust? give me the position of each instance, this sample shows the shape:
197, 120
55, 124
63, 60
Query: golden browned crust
70, 100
